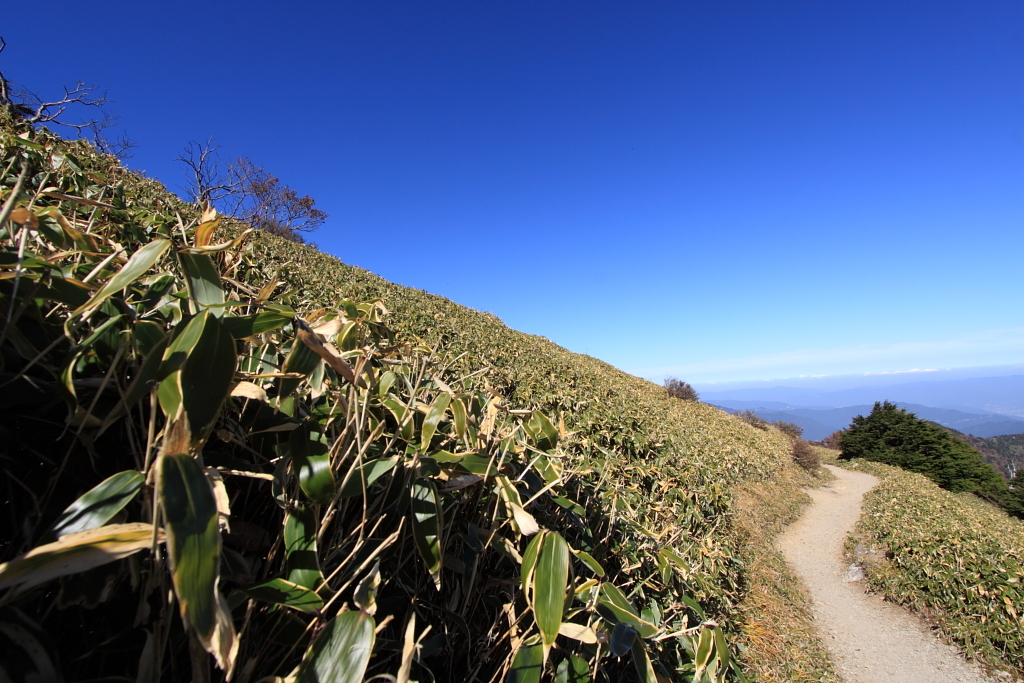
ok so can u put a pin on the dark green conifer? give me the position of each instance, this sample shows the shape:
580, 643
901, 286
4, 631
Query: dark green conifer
896, 437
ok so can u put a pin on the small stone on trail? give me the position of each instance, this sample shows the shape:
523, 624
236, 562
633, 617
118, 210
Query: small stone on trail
854, 573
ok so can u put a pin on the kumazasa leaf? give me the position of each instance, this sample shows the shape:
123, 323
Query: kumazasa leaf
341, 652
203, 281
193, 545
75, 553
528, 664
550, 581
140, 262
283, 592
98, 506
312, 464
427, 524
300, 529
434, 416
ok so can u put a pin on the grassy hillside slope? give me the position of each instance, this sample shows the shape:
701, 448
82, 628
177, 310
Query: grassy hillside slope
953, 557
643, 483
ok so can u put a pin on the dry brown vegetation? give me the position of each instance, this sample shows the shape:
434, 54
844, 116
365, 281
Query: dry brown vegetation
805, 455
778, 636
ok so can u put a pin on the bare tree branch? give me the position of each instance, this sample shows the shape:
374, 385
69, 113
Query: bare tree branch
28, 107
247, 192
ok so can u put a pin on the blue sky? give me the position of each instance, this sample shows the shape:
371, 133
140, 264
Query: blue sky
717, 190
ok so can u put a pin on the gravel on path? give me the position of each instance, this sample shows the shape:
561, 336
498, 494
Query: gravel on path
869, 639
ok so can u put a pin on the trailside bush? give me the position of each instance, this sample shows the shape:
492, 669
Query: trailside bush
894, 436
791, 430
752, 419
831, 441
677, 388
805, 455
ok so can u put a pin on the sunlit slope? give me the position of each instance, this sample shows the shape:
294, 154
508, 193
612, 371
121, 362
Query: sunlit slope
644, 481
612, 408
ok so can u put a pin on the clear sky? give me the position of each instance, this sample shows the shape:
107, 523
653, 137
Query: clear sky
716, 190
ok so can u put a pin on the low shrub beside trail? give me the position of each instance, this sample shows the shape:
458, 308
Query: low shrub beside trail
953, 557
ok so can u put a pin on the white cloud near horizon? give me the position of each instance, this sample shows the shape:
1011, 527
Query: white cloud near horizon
987, 347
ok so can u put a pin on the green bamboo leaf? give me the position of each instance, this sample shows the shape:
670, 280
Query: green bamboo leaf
140, 262
207, 375
528, 664
204, 281
721, 647
550, 582
147, 335
434, 416
478, 464
302, 360
548, 470
312, 464
75, 553
365, 596
240, 327
401, 413
98, 506
300, 527
197, 372
530, 564
545, 434
387, 380
183, 340
572, 669
193, 539
341, 652
66, 290
705, 648
427, 525
282, 592
615, 607
459, 417
693, 604
369, 472
591, 564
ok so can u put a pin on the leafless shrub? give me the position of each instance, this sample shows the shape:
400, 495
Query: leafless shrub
752, 419
677, 388
805, 455
243, 190
791, 430
831, 441
29, 107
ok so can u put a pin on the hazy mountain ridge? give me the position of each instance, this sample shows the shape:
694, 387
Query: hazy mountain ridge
1002, 395
819, 422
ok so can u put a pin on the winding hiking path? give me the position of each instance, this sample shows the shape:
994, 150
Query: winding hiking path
870, 640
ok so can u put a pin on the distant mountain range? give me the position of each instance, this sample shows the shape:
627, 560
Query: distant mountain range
818, 422
980, 395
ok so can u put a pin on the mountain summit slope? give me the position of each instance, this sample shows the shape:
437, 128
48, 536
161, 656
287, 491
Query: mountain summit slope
220, 465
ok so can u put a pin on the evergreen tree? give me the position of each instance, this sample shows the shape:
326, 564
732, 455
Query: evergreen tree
896, 437
1015, 498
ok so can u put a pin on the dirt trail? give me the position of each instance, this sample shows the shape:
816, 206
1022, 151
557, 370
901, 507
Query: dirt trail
870, 639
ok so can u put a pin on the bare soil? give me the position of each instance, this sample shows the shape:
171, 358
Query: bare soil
870, 640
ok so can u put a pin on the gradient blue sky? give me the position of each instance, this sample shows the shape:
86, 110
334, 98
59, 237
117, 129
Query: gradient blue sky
716, 190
